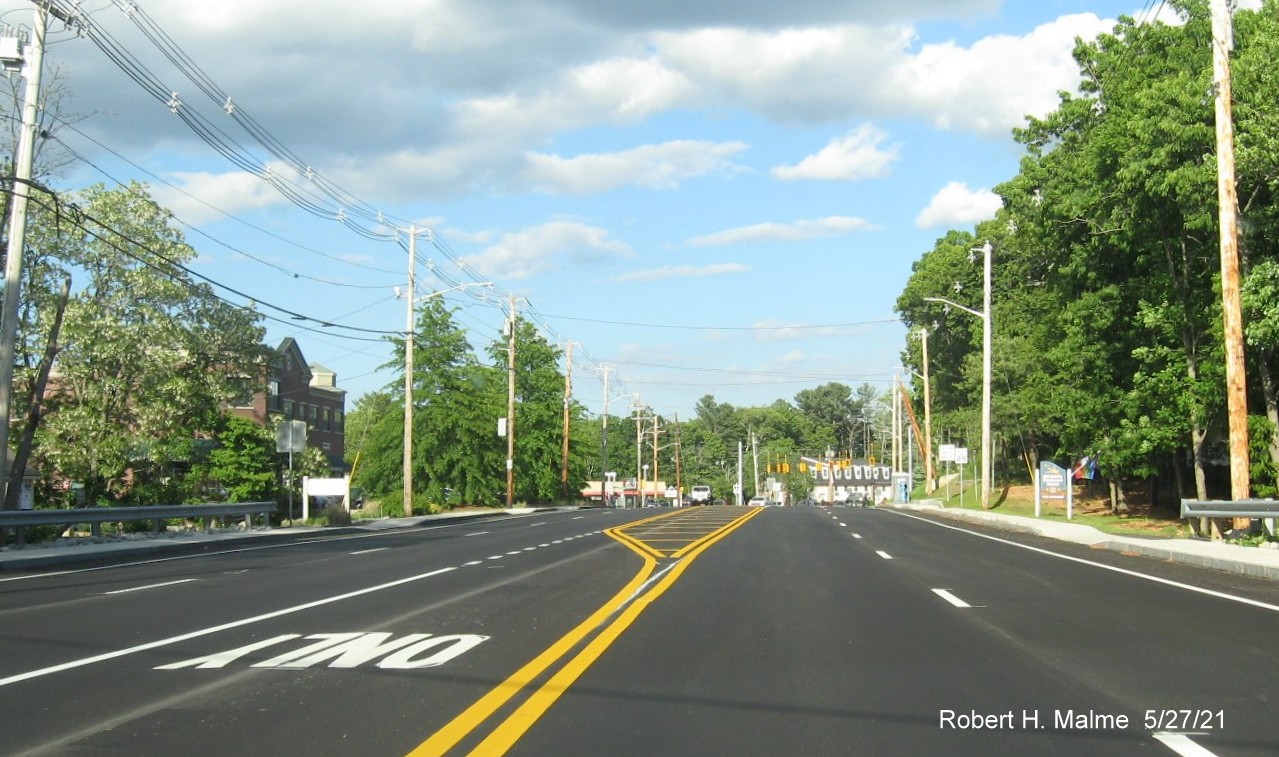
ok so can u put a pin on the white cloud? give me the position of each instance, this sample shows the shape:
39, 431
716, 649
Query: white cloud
683, 272
797, 231
537, 249
852, 157
989, 87
957, 205
200, 197
661, 166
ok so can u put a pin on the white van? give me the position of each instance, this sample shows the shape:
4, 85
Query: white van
700, 495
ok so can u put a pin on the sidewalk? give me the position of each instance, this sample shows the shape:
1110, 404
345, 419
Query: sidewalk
1252, 561
67, 552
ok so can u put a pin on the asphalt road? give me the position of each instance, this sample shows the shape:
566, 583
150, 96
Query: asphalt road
700, 631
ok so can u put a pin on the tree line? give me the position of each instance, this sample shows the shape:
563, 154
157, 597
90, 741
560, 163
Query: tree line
1107, 314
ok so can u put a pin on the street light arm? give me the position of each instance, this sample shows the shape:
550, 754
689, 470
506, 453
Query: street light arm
964, 308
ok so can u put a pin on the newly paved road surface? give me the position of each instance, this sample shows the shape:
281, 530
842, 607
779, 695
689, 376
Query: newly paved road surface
698, 631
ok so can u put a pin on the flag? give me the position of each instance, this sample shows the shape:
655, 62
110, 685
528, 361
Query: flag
1085, 468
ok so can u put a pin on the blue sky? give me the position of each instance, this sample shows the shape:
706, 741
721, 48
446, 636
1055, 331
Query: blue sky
713, 197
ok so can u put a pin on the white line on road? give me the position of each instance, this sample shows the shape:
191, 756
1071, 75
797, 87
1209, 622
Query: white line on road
476, 533
149, 586
215, 629
1103, 566
368, 551
954, 600
1181, 744
857, 536
579, 517
883, 554
843, 525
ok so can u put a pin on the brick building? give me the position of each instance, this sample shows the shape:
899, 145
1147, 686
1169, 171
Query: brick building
296, 390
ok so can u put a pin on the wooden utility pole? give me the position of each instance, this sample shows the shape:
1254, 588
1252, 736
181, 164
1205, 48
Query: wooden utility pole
679, 465
33, 64
510, 408
930, 486
655, 451
568, 393
604, 489
410, 347
1228, 214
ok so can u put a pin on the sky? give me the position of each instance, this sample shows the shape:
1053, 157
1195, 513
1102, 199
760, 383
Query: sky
706, 197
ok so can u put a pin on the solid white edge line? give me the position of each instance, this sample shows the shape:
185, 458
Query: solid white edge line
1103, 566
216, 629
954, 600
150, 586
1181, 744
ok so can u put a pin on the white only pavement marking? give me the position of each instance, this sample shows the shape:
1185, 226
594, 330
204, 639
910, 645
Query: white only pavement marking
476, 533
215, 629
368, 551
883, 554
150, 586
1181, 744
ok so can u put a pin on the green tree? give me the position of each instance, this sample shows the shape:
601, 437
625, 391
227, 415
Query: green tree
539, 402
244, 461
149, 356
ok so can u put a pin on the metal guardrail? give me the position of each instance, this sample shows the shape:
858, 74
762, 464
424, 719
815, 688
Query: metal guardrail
1230, 508
96, 516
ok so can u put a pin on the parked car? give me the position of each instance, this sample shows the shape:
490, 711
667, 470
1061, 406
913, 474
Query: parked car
757, 502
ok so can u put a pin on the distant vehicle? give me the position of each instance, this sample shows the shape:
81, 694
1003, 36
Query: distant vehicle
699, 495
757, 502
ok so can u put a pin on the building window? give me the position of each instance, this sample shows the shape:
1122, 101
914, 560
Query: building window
327, 425
288, 409
337, 421
314, 413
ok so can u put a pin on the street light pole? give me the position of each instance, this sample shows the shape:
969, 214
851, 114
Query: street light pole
984, 315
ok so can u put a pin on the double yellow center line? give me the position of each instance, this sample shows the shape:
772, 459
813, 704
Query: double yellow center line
682, 535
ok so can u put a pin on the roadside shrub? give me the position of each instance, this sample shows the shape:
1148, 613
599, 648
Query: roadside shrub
336, 515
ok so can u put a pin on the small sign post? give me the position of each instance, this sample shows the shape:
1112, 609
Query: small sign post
290, 437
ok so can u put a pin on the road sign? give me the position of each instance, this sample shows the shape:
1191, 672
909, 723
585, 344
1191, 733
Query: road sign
290, 436
961, 455
946, 453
